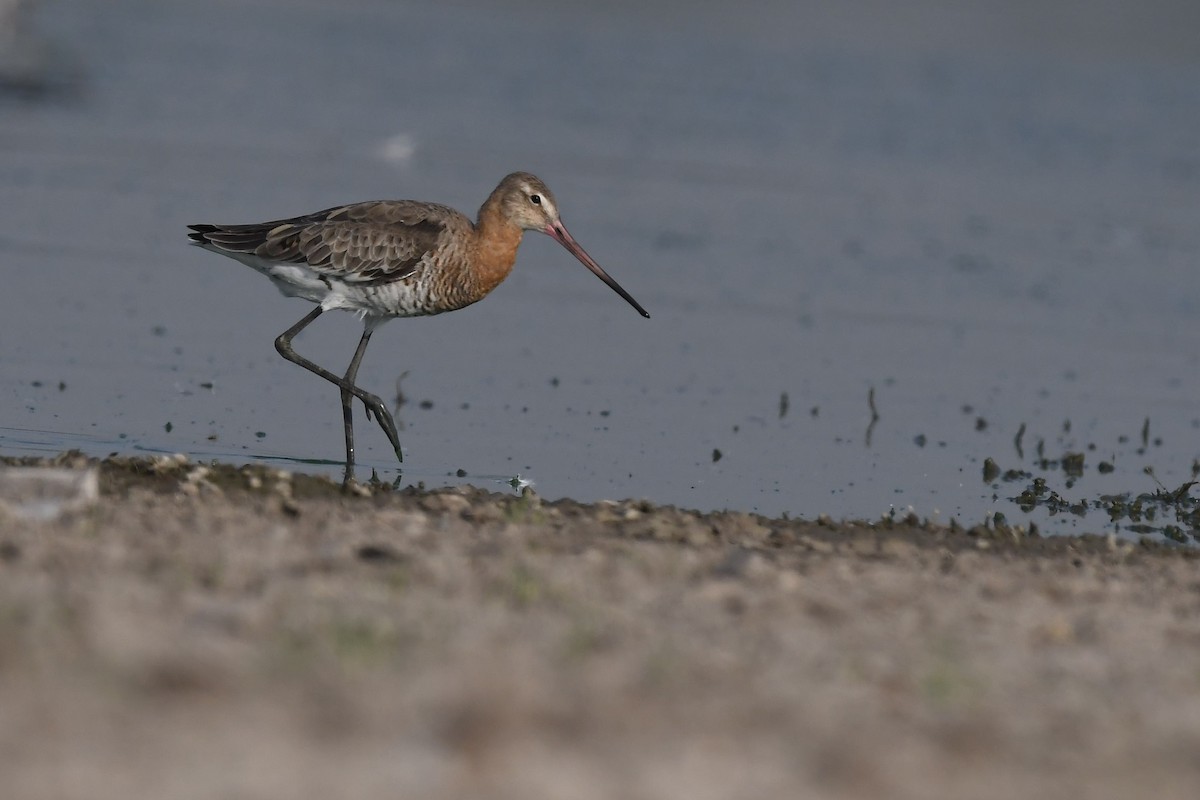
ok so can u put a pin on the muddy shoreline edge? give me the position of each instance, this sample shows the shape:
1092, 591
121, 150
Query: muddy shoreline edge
202, 631
285, 492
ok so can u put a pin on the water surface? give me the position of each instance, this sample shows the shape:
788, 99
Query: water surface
978, 226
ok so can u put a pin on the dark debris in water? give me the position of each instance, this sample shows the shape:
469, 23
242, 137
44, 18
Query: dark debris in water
1170, 513
1072, 464
1173, 513
1039, 495
990, 470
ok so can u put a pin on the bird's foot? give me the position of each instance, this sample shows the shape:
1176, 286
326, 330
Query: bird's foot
376, 407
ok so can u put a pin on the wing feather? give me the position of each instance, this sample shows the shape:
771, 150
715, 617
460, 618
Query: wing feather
364, 243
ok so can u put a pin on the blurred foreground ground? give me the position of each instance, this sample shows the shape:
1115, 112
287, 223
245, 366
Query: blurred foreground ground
251, 634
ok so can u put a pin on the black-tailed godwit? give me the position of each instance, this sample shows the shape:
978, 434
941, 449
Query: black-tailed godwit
393, 258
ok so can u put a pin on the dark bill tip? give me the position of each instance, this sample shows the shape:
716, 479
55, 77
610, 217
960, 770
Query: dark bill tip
560, 234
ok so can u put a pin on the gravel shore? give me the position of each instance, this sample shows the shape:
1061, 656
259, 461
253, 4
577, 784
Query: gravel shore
218, 632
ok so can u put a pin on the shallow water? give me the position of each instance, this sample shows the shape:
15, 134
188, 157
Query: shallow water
985, 226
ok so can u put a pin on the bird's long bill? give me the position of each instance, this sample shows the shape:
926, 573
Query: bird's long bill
558, 232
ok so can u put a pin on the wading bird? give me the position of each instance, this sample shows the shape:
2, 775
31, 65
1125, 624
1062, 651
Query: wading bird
393, 258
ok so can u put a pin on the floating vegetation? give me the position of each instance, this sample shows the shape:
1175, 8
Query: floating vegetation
1173, 513
991, 470
1072, 464
1039, 495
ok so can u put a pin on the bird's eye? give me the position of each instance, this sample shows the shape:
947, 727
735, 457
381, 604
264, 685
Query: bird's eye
536, 199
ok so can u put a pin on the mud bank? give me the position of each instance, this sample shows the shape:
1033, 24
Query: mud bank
199, 632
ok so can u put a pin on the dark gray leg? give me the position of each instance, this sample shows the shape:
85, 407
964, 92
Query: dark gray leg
373, 404
348, 398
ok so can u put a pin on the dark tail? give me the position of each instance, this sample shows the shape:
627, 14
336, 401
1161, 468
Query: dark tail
198, 234
231, 238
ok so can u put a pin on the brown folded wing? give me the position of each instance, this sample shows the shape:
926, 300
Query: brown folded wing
364, 243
